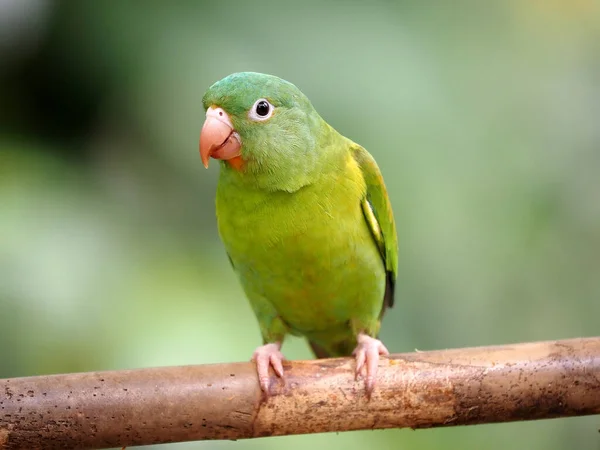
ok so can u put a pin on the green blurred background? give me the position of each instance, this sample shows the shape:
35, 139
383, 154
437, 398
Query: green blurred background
484, 117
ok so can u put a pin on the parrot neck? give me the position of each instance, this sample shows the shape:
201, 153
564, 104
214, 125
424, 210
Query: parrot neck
288, 168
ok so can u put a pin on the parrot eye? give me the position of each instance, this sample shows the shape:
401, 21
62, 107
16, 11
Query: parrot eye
261, 110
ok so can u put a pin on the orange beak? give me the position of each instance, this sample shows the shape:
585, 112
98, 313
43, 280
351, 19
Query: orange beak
218, 139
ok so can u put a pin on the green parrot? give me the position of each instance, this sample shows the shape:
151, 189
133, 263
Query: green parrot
306, 221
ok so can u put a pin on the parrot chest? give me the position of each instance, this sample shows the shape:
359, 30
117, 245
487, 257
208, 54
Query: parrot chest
310, 253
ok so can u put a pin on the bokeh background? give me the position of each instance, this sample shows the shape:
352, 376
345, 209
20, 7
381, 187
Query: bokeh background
484, 118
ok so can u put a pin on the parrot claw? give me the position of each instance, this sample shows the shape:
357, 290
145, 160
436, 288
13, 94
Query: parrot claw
265, 356
367, 356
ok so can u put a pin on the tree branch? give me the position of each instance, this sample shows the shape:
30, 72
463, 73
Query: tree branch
223, 401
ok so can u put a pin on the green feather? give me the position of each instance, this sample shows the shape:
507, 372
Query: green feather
306, 223
379, 215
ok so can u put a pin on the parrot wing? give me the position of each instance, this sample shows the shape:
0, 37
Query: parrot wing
377, 210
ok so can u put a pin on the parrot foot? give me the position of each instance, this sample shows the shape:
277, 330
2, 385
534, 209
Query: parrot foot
367, 356
265, 356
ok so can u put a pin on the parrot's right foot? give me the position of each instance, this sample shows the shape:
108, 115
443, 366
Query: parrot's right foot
265, 356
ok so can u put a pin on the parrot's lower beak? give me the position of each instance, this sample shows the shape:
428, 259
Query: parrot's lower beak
218, 139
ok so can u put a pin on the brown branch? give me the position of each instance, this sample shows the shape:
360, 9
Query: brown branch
223, 401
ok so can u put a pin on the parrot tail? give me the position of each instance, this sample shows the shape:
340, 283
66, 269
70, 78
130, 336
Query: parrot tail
342, 348
319, 351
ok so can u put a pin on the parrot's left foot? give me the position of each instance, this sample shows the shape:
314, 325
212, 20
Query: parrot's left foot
367, 356
265, 356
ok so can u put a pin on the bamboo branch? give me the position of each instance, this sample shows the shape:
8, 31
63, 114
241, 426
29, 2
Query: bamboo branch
223, 401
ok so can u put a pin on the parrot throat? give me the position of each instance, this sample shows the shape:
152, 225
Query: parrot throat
236, 163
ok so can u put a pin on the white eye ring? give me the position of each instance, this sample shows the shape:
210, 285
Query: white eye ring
253, 114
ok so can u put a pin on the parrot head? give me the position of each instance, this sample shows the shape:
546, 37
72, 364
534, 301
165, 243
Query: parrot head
261, 125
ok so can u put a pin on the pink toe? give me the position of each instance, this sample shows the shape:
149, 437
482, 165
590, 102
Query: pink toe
277, 365
360, 360
265, 356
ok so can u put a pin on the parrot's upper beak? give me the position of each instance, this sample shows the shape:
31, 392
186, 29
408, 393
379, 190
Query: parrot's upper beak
218, 139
